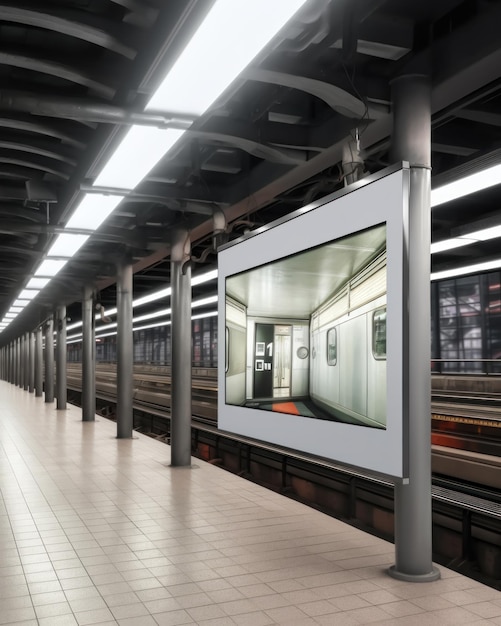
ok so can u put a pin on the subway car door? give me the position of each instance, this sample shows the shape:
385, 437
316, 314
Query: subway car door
263, 360
282, 362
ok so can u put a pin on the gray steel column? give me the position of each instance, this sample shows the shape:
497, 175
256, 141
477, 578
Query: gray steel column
49, 360
125, 374
26, 358
21, 361
61, 392
12, 359
88, 357
18, 362
31, 359
38, 363
412, 143
180, 421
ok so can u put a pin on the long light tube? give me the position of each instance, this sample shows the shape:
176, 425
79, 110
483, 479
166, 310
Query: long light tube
229, 38
468, 269
137, 154
466, 186
93, 210
483, 234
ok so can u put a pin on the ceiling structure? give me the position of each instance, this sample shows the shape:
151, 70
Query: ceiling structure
76, 73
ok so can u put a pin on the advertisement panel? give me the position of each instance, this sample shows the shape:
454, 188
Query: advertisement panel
312, 308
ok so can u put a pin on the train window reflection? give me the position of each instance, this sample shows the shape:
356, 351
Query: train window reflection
332, 346
379, 333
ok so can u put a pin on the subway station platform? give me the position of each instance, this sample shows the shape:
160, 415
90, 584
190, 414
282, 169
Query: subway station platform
95, 530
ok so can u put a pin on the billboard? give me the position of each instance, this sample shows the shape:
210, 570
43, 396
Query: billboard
312, 312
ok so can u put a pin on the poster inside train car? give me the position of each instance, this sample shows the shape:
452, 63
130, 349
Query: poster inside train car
312, 312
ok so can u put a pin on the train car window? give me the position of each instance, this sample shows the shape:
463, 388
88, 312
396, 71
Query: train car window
379, 333
332, 346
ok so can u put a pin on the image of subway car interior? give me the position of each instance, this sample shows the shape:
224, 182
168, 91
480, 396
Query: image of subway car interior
306, 335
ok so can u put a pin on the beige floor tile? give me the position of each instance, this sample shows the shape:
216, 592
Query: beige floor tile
105, 532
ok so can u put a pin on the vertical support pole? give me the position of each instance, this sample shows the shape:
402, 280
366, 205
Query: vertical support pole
411, 96
125, 373
181, 350
11, 363
49, 360
26, 357
31, 359
18, 362
61, 392
38, 363
88, 357
21, 361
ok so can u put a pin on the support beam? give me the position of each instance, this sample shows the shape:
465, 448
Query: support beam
26, 359
125, 374
38, 363
18, 362
49, 360
61, 391
181, 350
31, 359
88, 357
412, 142
21, 361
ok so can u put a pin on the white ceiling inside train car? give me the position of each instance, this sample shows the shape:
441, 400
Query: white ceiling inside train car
294, 287
76, 74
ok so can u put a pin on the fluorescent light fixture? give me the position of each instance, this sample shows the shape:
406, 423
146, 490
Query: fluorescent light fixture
201, 316
450, 244
151, 316
485, 234
466, 186
73, 341
112, 334
37, 283
200, 279
138, 153
73, 326
106, 327
16, 309
20, 302
203, 302
469, 269
28, 294
50, 267
166, 323
67, 245
10, 316
93, 210
152, 297
78, 336
229, 38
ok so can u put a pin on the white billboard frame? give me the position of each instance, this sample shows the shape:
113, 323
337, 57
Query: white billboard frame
382, 198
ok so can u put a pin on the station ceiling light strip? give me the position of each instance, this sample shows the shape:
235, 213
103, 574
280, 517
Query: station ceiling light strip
202, 72
468, 269
148, 326
199, 279
160, 313
483, 234
467, 185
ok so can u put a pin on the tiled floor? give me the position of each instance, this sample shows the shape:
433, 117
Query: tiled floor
95, 530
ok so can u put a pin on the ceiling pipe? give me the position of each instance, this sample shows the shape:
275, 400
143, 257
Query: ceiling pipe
83, 110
